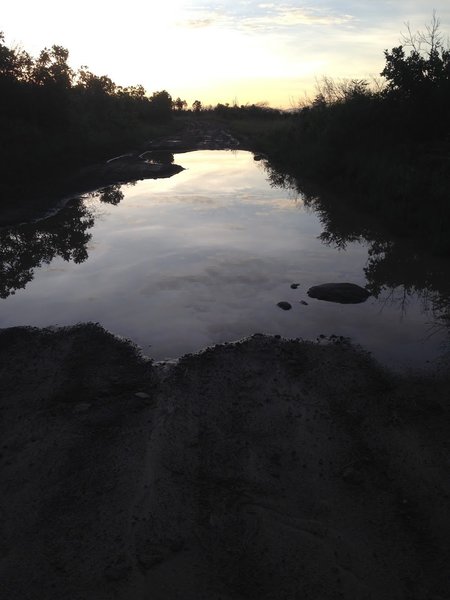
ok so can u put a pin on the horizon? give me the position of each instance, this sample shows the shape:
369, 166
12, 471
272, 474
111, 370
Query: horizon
238, 53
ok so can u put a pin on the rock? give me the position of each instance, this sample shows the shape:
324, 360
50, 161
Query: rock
303, 302
344, 293
260, 157
294, 286
284, 305
142, 395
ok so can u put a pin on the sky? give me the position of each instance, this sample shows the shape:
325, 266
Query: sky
226, 51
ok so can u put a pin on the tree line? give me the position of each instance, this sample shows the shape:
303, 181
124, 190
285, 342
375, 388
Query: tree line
386, 146
52, 116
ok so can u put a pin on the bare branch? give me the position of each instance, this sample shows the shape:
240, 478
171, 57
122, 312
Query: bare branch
431, 38
410, 39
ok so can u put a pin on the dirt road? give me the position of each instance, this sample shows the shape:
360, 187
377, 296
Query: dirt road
269, 469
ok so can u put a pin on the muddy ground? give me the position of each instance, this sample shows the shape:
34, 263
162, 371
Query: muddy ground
265, 469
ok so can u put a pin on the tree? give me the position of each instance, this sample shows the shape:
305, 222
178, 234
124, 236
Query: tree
333, 91
15, 63
196, 106
51, 67
161, 104
180, 104
95, 84
426, 67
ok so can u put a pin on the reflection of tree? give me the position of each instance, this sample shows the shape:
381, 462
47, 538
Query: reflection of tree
110, 195
27, 247
396, 267
409, 270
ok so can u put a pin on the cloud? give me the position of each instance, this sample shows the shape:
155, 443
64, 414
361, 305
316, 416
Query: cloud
263, 16
198, 23
202, 17
290, 16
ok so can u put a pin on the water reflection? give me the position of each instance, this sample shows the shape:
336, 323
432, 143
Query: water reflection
207, 256
397, 269
25, 248
110, 195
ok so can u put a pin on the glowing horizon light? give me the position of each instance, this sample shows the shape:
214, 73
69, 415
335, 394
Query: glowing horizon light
217, 52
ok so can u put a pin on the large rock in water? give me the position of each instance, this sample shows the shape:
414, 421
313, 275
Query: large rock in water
344, 293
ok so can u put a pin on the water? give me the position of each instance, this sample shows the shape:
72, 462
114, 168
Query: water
201, 258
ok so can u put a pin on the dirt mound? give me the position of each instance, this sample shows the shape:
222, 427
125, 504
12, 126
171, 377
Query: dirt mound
263, 469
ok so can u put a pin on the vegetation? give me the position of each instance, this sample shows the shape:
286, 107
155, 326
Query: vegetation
386, 146
65, 234
53, 118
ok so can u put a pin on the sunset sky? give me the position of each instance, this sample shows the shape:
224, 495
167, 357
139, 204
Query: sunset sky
227, 51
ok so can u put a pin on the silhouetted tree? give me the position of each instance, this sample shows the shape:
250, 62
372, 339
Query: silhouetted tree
14, 62
137, 92
424, 69
331, 91
51, 67
180, 104
93, 83
196, 106
51, 116
161, 104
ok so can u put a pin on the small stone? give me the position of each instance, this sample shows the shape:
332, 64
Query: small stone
303, 302
294, 286
142, 395
284, 305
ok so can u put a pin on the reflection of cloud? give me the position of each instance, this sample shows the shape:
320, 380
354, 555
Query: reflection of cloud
228, 274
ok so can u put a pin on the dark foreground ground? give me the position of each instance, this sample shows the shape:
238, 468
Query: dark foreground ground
265, 469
